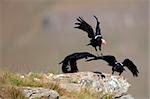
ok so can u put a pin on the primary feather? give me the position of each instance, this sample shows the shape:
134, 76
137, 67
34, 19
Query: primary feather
131, 66
85, 27
98, 30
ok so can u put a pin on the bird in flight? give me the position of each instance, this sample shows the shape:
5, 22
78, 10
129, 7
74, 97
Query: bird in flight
96, 39
69, 64
118, 66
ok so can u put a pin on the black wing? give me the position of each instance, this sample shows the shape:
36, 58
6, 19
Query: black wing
83, 55
77, 56
98, 30
130, 65
70, 66
108, 58
68, 58
85, 27
64, 61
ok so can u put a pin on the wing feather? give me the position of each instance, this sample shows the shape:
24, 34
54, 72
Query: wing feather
81, 55
69, 64
98, 30
85, 27
108, 58
77, 56
131, 66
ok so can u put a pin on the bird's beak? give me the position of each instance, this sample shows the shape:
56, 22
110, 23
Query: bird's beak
103, 41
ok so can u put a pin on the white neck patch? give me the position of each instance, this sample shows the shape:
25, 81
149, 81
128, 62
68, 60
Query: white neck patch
119, 63
98, 36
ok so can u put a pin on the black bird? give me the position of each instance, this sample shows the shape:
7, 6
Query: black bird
118, 66
69, 64
96, 38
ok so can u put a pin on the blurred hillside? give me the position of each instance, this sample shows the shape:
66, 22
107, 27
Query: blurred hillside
37, 34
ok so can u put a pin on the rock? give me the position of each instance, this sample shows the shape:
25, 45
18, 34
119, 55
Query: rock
109, 84
37, 93
125, 97
95, 82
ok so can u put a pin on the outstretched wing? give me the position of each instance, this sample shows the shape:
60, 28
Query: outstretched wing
69, 64
82, 55
131, 66
85, 27
77, 56
68, 58
108, 58
98, 30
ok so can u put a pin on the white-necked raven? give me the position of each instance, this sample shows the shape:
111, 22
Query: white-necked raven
96, 38
118, 66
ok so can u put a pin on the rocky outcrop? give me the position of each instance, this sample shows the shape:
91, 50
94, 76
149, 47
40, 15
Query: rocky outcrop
95, 82
36, 93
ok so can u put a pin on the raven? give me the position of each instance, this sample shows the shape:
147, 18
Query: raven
96, 38
69, 64
118, 66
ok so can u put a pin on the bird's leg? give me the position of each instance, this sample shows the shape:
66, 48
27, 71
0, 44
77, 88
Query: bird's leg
120, 73
96, 51
100, 51
112, 72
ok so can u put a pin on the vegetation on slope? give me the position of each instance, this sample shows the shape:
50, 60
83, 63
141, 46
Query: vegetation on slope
11, 83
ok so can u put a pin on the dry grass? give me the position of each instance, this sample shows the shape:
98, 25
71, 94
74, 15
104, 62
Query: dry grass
7, 78
11, 92
86, 93
10, 84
